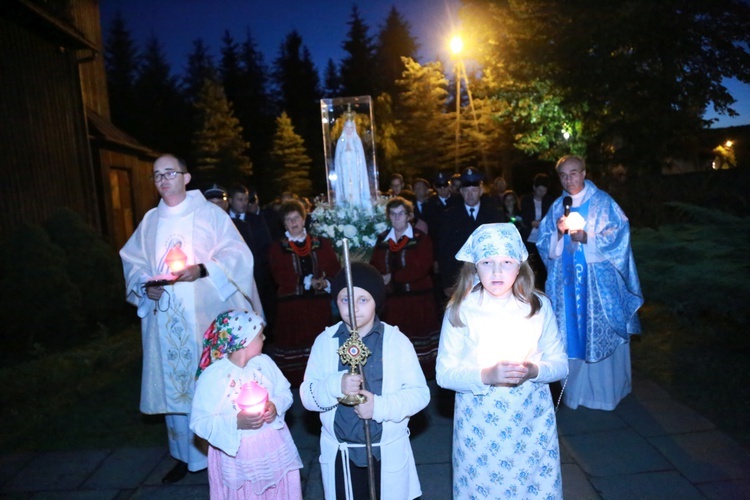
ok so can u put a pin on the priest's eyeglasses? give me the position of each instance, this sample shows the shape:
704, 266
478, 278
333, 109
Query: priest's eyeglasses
157, 177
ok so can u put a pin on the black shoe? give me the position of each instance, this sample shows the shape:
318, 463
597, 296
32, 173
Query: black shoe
178, 472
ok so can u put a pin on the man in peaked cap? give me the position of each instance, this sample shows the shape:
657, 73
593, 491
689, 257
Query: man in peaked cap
460, 221
217, 195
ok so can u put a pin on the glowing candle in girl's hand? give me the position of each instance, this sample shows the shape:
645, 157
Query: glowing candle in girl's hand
575, 222
176, 259
252, 397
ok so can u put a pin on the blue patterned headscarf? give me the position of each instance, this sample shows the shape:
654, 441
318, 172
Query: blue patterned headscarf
493, 240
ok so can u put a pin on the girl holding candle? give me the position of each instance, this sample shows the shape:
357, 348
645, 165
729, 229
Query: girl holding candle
239, 406
499, 349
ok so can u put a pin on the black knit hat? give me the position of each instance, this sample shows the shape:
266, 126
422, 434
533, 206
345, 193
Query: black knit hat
364, 276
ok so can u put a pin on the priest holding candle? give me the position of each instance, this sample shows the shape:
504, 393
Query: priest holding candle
183, 265
584, 241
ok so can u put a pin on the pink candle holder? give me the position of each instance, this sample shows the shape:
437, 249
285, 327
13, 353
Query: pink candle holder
252, 397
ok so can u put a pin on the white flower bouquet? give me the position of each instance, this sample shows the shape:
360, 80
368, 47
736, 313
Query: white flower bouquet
359, 225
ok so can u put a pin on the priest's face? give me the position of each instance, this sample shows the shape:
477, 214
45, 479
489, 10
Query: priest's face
170, 179
572, 176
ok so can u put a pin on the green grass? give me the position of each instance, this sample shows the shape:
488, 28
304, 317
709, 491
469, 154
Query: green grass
80, 399
696, 280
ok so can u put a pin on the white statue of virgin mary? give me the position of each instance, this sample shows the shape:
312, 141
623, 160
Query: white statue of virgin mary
352, 184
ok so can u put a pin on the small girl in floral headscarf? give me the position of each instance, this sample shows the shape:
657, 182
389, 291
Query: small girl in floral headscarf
499, 350
251, 453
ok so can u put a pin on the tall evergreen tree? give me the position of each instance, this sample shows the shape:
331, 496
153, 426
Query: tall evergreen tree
297, 89
229, 66
200, 67
121, 63
219, 151
331, 80
164, 117
394, 41
290, 159
358, 71
254, 108
424, 134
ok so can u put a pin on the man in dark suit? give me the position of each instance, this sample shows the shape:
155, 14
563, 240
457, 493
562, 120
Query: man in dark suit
254, 231
460, 221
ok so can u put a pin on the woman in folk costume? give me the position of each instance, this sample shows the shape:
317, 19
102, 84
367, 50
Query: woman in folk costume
403, 256
499, 350
302, 266
240, 400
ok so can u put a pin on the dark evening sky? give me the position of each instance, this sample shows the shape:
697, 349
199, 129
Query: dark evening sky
321, 23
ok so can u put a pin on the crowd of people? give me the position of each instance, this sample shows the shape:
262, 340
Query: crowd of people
495, 295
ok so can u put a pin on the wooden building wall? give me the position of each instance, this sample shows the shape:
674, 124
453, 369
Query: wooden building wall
46, 162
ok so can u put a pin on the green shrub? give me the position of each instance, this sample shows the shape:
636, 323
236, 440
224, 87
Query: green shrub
93, 267
41, 308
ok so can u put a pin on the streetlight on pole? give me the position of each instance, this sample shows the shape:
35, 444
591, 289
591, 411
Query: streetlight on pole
457, 44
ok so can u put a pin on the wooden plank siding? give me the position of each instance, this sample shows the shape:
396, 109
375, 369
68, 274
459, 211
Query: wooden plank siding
45, 151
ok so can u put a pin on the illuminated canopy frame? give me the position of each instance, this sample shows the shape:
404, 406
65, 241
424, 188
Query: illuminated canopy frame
334, 114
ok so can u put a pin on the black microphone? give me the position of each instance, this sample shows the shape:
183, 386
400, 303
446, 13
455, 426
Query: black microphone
567, 202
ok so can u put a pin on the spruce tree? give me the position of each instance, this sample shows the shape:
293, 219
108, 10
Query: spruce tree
289, 159
331, 80
219, 151
425, 135
121, 63
200, 68
358, 73
164, 117
297, 91
394, 41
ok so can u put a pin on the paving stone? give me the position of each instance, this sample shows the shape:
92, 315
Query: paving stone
721, 490
60, 470
616, 452
646, 390
165, 465
125, 468
171, 492
436, 481
11, 463
575, 483
705, 456
78, 495
661, 417
665, 484
584, 420
433, 447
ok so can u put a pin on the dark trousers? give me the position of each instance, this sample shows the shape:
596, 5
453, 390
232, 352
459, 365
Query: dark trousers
360, 484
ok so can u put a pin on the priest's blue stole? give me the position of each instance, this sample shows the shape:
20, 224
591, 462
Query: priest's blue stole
575, 291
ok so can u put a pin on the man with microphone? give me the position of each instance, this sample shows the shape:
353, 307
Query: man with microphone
592, 282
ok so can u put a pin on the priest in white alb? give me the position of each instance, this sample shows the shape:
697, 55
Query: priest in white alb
184, 265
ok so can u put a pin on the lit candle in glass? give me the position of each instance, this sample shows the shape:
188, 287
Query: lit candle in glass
575, 221
176, 259
252, 397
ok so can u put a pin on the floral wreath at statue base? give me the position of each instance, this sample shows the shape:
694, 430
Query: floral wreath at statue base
361, 226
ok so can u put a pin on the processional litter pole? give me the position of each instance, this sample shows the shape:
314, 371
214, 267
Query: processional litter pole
355, 353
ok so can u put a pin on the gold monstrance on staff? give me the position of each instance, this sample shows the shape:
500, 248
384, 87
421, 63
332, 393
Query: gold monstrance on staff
353, 352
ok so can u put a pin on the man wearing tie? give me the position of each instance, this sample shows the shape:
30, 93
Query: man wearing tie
460, 221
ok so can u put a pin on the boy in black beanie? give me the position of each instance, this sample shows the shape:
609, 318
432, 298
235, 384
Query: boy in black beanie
396, 390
